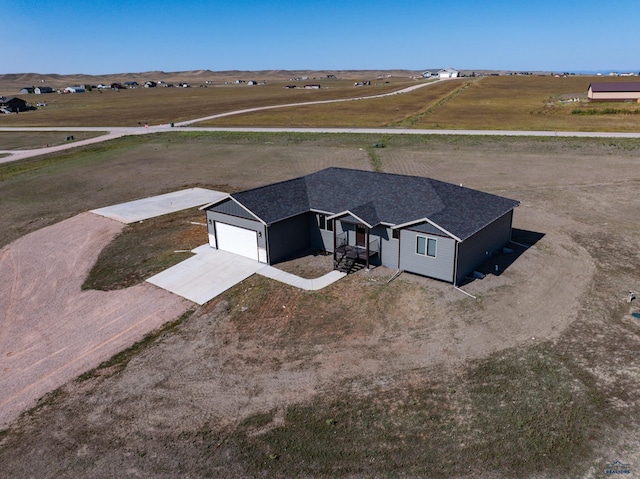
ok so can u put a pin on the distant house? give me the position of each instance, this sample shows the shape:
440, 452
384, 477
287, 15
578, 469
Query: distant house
39, 90
150, 84
13, 104
312, 87
131, 84
415, 224
614, 91
27, 90
252, 82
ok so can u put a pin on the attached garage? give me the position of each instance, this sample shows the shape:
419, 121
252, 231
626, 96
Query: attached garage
237, 240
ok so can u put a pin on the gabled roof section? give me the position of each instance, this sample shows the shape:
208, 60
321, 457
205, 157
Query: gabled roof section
618, 86
365, 214
377, 198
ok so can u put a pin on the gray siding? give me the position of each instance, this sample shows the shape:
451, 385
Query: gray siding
287, 237
230, 207
322, 239
388, 246
440, 267
481, 246
213, 216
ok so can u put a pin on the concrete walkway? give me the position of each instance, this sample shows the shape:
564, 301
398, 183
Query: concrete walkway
297, 281
212, 271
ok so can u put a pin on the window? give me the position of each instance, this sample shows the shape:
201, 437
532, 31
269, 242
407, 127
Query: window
426, 246
325, 224
395, 234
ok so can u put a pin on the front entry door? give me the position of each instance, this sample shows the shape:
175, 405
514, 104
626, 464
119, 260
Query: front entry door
361, 236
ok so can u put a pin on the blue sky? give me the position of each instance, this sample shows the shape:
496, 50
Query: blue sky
99, 37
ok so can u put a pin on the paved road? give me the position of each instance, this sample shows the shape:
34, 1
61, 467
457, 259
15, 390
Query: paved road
117, 132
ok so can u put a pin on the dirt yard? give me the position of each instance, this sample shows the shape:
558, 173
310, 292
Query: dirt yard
50, 330
218, 395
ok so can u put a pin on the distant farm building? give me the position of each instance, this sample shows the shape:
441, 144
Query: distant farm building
441, 73
614, 91
39, 90
26, 90
74, 89
312, 87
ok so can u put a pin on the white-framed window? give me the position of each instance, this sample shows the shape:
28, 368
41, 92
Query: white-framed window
325, 224
426, 246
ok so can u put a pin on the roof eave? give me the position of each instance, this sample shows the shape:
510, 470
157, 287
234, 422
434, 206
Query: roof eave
230, 197
426, 220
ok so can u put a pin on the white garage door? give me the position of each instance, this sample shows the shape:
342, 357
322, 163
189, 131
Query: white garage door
237, 240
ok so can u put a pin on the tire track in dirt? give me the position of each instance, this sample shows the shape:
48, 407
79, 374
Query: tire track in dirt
52, 331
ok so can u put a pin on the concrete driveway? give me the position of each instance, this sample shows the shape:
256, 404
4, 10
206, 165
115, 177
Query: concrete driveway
158, 205
205, 275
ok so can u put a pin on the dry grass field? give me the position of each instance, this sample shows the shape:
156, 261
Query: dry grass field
132, 107
26, 140
537, 377
534, 102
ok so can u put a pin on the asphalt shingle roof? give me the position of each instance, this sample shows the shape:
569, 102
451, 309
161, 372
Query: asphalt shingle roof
619, 86
378, 198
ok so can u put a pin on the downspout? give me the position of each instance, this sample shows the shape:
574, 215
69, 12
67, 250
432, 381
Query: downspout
399, 236
455, 266
335, 257
367, 240
266, 243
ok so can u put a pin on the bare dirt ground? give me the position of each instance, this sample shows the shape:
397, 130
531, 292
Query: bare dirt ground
50, 330
265, 347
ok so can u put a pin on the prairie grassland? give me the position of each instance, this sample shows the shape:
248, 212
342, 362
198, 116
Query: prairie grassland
492, 102
19, 140
377, 112
487, 103
132, 107
525, 103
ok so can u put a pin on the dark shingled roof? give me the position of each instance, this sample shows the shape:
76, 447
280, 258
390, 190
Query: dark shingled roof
618, 86
378, 198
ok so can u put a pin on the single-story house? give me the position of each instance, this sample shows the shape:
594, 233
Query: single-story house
414, 224
614, 91
13, 104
